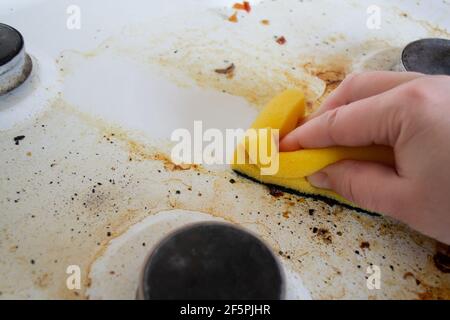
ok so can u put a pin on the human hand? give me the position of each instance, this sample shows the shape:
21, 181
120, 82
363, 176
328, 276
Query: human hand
411, 113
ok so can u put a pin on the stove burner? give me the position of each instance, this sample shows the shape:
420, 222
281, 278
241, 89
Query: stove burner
428, 56
15, 64
211, 261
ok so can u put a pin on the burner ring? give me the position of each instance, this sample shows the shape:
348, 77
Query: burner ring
429, 56
11, 43
15, 64
212, 261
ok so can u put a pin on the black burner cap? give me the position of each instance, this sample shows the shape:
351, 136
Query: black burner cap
212, 261
11, 43
428, 56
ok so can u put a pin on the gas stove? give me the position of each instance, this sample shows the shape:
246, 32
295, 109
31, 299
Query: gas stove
90, 94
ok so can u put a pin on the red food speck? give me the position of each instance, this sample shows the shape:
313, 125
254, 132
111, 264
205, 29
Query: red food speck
247, 6
281, 40
243, 6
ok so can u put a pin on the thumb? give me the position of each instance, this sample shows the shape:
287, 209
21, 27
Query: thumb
371, 186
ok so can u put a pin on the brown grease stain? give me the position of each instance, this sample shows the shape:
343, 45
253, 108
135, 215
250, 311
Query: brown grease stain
433, 293
325, 235
332, 71
254, 85
364, 245
432, 29
141, 152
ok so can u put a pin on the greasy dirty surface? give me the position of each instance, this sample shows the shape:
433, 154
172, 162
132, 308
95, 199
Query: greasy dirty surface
77, 179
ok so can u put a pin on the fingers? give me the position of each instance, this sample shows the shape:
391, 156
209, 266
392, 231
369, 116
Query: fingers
374, 120
360, 86
354, 88
371, 186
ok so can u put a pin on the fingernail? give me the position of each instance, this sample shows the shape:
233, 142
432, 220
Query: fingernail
319, 180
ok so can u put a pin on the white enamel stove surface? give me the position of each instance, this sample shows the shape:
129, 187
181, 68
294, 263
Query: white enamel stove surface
90, 183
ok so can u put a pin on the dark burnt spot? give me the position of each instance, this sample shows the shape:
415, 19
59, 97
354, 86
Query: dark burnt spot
364, 245
18, 139
232, 181
325, 235
275, 192
228, 71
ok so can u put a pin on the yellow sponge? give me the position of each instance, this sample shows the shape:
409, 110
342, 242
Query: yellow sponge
284, 113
